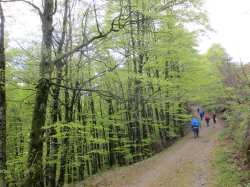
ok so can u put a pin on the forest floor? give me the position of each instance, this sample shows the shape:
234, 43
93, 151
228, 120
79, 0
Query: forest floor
186, 163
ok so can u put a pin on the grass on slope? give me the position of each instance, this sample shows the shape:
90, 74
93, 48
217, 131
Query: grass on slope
228, 164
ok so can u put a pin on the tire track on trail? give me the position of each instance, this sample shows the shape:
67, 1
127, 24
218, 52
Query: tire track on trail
186, 163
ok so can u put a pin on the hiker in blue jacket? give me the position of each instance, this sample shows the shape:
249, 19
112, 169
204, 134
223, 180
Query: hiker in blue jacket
195, 126
201, 114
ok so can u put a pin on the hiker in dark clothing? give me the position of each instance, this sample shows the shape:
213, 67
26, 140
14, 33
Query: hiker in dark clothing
214, 117
198, 110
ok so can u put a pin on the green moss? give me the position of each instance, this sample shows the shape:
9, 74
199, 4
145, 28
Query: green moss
35, 155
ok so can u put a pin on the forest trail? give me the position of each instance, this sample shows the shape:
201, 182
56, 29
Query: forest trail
186, 163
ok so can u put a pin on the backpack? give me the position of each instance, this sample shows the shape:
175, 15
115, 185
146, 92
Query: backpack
214, 115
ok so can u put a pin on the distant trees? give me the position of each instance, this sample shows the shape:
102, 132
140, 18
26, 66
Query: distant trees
233, 99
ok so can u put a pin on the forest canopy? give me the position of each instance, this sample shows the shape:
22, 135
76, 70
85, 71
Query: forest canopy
100, 84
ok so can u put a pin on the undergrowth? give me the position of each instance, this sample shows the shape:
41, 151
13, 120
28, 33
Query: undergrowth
228, 163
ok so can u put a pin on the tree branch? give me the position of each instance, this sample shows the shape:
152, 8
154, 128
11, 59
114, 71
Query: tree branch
34, 6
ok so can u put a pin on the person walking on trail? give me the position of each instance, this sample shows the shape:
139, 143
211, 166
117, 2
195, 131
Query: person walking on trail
195, 127
202, 114
198, 110
214, 117
207, 119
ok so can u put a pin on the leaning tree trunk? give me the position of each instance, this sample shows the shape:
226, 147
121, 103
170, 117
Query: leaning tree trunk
3, 166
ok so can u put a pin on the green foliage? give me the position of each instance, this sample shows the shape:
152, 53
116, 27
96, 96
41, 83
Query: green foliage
124, 97
114, 167
238, 125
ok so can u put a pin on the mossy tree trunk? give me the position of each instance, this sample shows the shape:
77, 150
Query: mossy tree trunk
35, 154
3, 105
35, 161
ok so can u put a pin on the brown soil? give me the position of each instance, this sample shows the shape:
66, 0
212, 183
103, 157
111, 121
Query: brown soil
186, 163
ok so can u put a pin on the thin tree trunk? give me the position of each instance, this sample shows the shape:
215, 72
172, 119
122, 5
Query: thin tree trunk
130, 124
167, 117
47, 169
105, 145
93, 131
136, 94
111, 141
55, 106
120, 156
85, 139
150, 119
163, 127
158, 122
160, 116
167, 121
64, 150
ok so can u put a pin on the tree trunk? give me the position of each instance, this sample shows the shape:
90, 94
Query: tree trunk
35, 154
120, 156
93, 131
64, 150
111, 141
159, 124
130, 124
136, 95
3, 105
35, 161
55, 105
164, 134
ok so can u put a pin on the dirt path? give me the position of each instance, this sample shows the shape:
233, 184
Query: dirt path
184, 164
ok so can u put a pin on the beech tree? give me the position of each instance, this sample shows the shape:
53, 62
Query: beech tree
47, 65
3, 105
108, 84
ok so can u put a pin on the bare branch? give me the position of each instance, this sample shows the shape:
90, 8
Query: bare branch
55, 7
34, 6
97, 24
